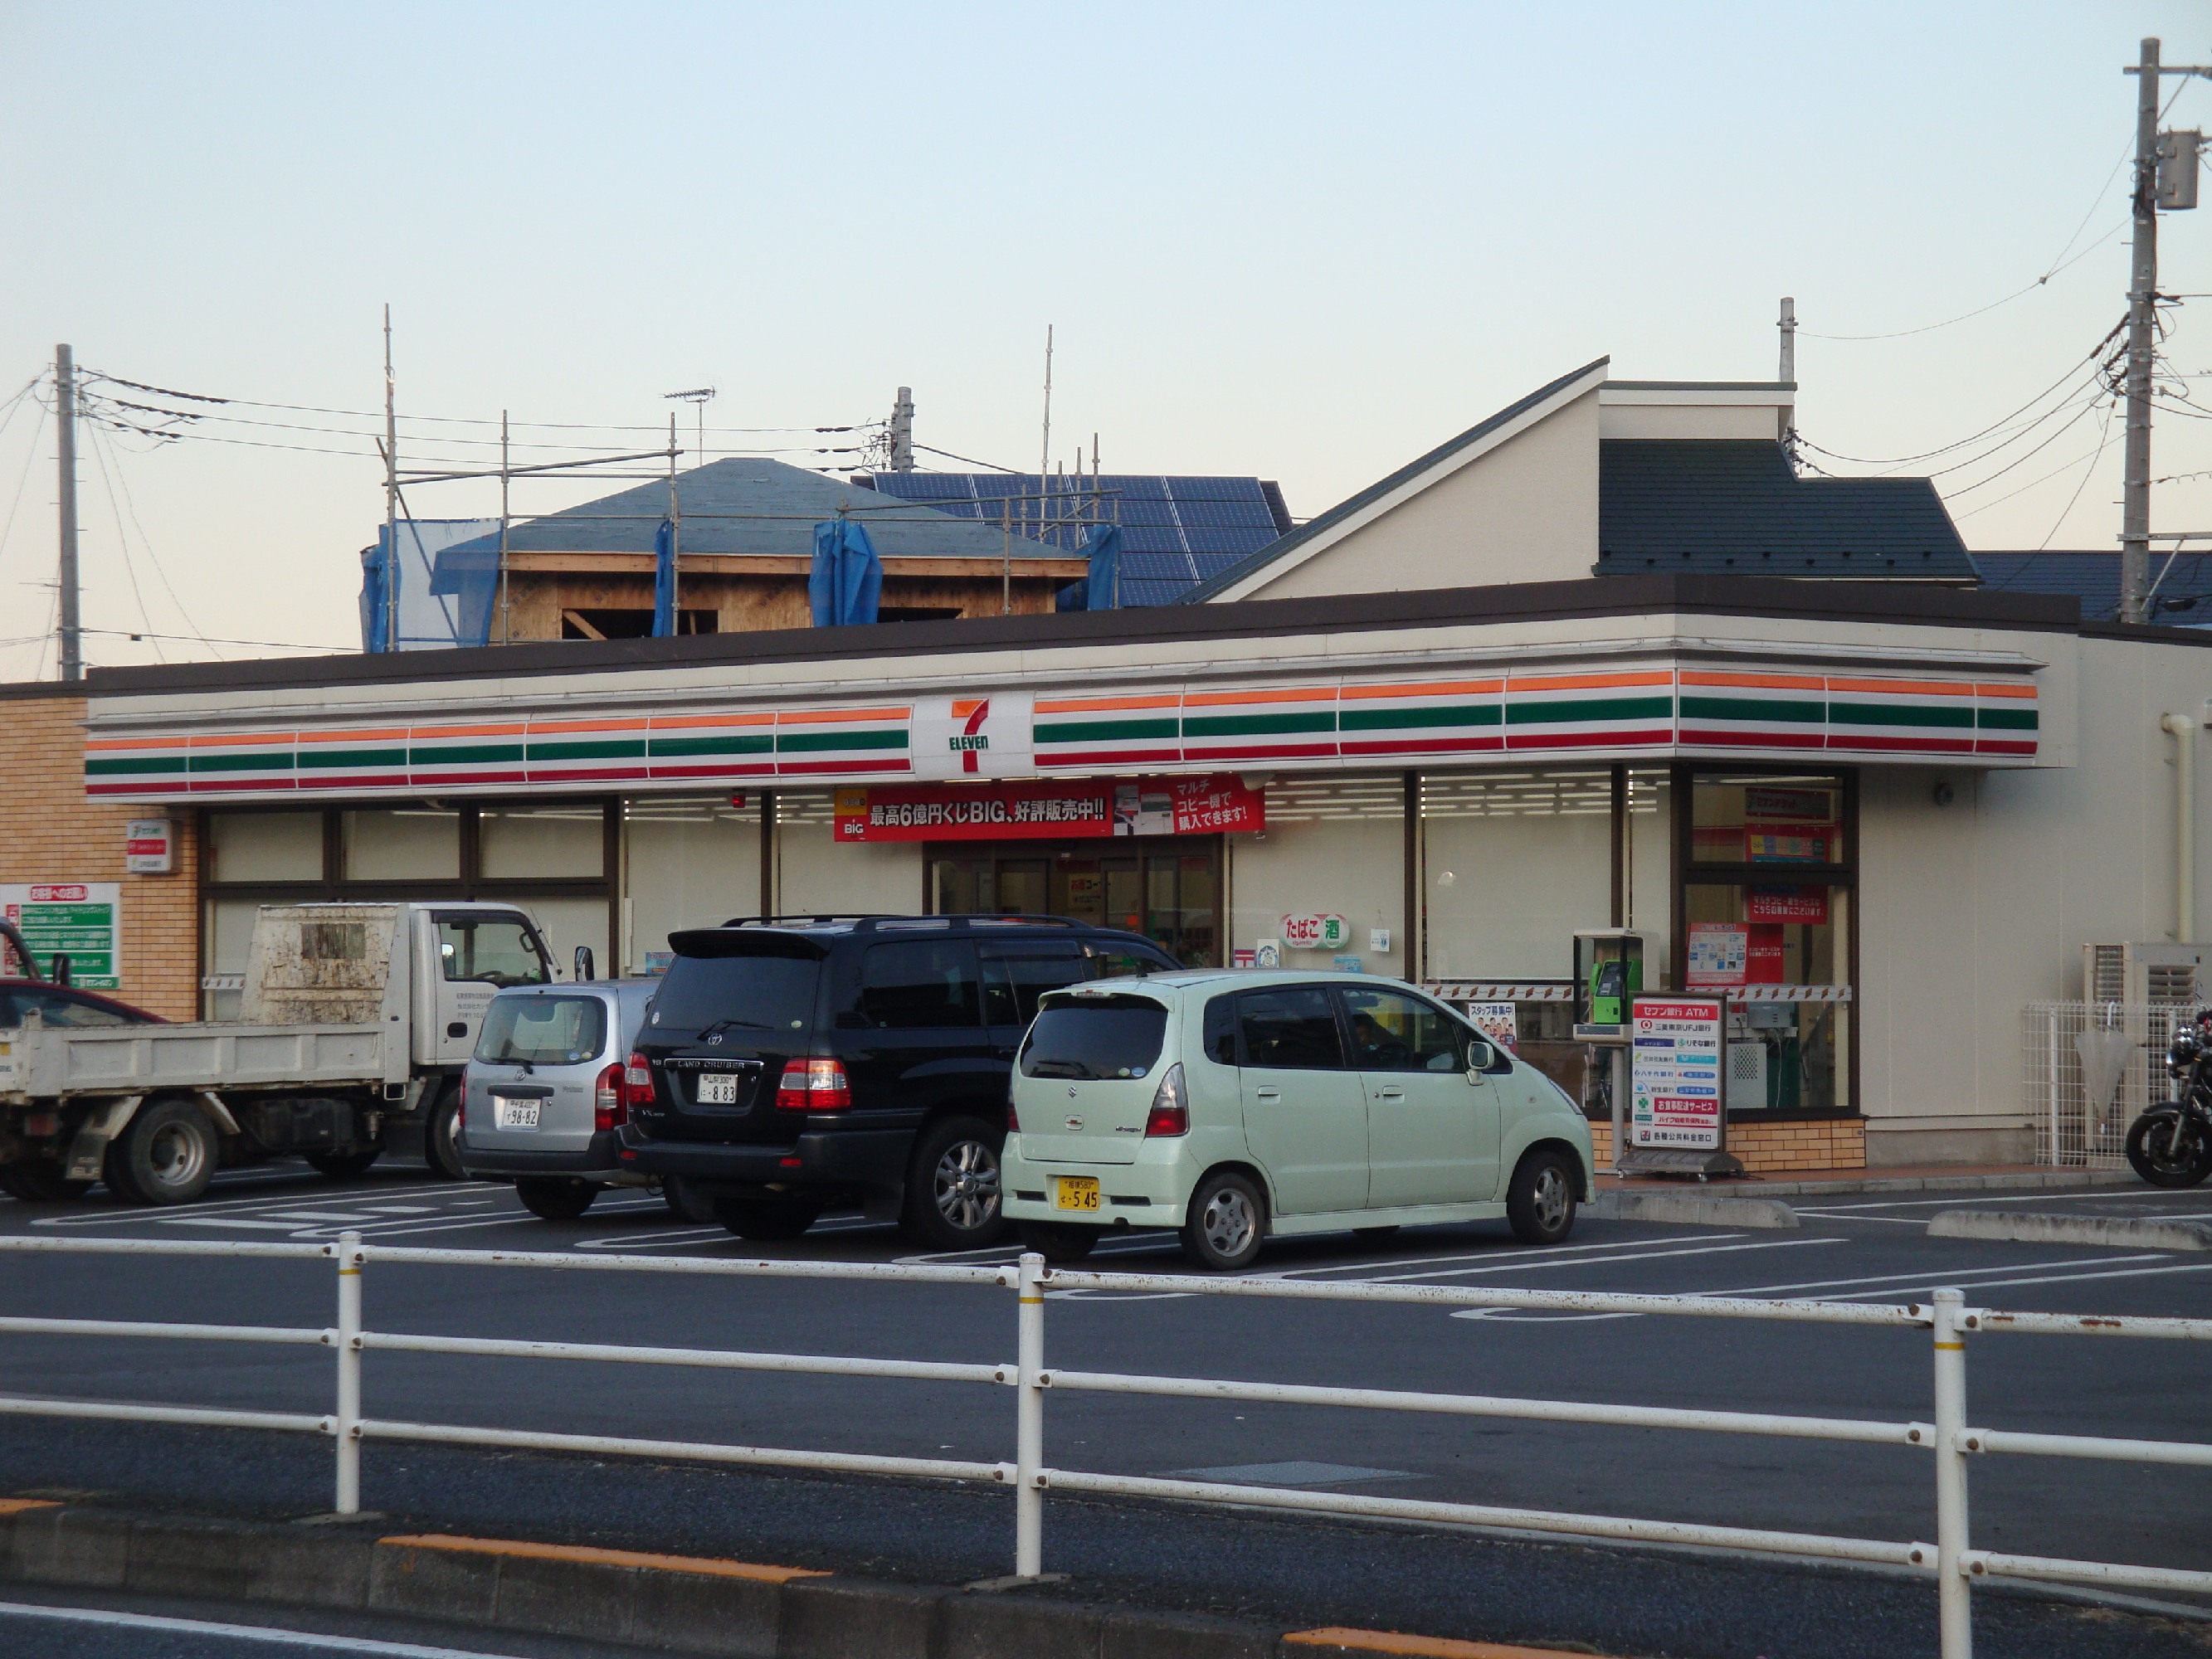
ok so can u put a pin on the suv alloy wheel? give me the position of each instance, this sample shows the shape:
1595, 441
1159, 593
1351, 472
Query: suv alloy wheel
952, 1185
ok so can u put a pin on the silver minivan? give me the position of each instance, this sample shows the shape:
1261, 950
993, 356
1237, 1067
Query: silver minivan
547, 1092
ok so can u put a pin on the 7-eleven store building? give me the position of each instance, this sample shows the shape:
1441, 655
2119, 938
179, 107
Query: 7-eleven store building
1882, 818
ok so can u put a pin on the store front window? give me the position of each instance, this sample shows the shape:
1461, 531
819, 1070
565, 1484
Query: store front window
1167, 890
1769, 879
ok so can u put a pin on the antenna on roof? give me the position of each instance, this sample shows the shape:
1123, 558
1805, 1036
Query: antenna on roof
1044, 457
698, 397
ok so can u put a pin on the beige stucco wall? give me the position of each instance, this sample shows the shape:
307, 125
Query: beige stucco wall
1973, 909
1355, 868
1524, 512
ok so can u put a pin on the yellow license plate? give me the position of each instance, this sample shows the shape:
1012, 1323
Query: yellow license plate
1075, 1192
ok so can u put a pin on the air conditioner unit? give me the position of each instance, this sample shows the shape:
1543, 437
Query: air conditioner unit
2147, 972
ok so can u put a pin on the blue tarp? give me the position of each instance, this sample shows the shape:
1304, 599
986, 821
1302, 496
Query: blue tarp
375, 624
1102, 543
470, 575
847, 578
437, 603
663, 581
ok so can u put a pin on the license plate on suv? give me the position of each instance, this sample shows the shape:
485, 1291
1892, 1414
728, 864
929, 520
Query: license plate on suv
509, 1112
716, 1089
1075, 1192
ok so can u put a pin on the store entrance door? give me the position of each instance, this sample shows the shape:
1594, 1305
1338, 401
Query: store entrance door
1166, 887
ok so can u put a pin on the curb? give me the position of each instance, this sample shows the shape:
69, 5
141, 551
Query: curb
679, 1604
2023, 1227
2006, 1181
1695, 1208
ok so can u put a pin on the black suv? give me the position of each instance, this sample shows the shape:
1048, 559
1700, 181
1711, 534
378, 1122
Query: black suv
799, 1062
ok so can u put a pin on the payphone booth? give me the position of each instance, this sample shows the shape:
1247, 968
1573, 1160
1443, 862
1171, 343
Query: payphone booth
1609, 971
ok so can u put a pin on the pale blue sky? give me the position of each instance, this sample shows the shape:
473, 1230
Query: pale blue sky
1301, 242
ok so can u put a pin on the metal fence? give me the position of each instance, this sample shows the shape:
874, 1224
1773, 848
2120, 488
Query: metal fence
2090, 1069
1950, 1559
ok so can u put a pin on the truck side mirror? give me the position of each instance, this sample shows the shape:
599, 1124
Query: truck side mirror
584, 962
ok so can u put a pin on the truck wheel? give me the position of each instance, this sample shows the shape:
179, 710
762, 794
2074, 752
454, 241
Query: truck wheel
440, 1136
952, 1185
555, 1200
343, 1166
167, 1155
40, 1184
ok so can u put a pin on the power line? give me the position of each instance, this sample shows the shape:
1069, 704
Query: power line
130, 568
2111, 235
130, 505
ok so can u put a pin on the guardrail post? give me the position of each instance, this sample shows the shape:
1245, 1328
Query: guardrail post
1954, 1604
1029, 1420
349, 1412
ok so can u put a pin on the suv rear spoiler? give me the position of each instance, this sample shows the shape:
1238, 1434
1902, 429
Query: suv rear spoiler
874, 923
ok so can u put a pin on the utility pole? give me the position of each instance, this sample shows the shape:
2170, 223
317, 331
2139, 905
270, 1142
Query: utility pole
72, 628
2143, 313
390, 495
902, 431
1786, 417
674, 535
506, 609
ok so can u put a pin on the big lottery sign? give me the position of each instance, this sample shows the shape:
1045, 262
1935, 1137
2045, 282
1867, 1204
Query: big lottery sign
1315, 930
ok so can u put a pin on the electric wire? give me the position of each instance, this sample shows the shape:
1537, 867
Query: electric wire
130, 505
129, 567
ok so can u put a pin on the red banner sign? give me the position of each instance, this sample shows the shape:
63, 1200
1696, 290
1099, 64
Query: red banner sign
1050, 809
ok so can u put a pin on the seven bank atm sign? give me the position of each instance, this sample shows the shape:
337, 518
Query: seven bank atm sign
974, 736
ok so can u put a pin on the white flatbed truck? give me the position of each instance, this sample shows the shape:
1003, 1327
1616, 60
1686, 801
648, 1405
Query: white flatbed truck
356, 1022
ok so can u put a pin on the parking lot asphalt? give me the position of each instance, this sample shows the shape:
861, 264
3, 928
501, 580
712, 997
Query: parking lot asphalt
1439, 1580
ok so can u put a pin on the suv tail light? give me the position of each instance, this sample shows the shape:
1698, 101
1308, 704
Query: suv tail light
610, 1107
636, 1084
1170, 1112
813, 1085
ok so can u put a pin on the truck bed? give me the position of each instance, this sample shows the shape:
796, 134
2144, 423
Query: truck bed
50, 1062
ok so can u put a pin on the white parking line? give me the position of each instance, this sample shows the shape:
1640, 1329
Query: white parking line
313, 1640
1489, 1255
235, 1206
1913, 1278
1606, 1261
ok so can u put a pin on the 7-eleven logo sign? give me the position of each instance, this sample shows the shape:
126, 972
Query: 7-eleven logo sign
970, 740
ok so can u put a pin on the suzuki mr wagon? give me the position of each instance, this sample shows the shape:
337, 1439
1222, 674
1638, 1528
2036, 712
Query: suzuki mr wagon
1238, 1107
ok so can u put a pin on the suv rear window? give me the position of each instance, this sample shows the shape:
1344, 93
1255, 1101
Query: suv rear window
543, 1031
743, 993
1095, 1037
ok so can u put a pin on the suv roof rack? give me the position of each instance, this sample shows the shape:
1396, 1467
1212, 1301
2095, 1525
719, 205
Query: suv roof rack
869, 922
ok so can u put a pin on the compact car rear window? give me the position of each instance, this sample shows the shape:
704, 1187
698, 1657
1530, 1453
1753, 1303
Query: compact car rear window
1090, 1038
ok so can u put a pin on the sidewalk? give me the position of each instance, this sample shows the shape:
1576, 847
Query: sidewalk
1900, 1178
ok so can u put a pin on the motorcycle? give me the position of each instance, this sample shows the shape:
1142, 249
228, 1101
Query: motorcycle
2171, 1145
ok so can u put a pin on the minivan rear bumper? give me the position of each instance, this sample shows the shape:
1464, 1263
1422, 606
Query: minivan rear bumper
601, 1157
851, 1157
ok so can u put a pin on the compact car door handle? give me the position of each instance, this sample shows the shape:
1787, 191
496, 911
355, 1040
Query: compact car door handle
1393, 1094
1268, 1094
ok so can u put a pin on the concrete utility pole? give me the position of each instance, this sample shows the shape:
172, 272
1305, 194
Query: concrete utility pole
1785, 419
2177, 188
390, 495
72, 628
902, 431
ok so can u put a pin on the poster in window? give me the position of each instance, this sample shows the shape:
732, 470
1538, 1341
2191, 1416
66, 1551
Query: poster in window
1720, 952
1806, 904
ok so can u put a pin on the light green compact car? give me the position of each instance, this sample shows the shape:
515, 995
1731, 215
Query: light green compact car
1238, 1107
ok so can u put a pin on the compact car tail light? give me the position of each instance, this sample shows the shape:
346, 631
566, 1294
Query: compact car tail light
1170, 1112
610, 1106
636, 1084
813, 1085
1013, 1118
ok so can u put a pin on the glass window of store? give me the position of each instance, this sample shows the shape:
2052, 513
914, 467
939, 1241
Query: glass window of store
1768, 862
1166, 887
553, 860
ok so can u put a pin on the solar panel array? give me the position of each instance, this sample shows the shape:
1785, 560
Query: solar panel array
1175, 532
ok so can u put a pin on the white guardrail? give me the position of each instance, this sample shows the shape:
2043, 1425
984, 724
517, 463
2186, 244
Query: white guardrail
1951, 1559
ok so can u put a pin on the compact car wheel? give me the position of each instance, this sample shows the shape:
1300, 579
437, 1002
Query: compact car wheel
555, 1200
766, 1220
952, 1185
1056, 1241
441, 1134
1540, 1202
40, 1184
166, 1154
1226, 1223
343, 1166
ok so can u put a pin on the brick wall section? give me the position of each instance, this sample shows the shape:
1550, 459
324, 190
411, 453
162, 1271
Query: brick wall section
50, 831
1817, 1143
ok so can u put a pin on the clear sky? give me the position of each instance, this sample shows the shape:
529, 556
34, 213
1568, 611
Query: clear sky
1300, 242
